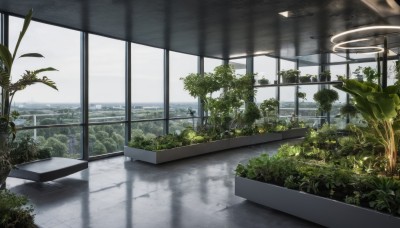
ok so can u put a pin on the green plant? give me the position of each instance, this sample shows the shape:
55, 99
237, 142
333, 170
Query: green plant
306, 78
325, 76
268, 108
371, 74
348, 109
236, 90
15, 211
25, 150
302, 95
325, 98
251, 113
379, 107
384, 194
289, 76
263, 81
9, 89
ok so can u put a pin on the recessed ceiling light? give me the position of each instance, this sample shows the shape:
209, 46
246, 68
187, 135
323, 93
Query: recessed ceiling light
284, 13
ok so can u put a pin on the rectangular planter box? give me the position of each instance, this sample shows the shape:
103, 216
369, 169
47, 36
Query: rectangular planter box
320, 210
294, 133
198, 149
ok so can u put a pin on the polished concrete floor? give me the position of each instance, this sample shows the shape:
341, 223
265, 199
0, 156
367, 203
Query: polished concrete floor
116, 192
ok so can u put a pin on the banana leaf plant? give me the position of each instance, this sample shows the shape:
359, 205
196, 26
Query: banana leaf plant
8, 91
380, 108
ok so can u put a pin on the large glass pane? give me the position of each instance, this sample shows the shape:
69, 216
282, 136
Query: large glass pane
308, 110
61, 141
181, 65
391, 72
265, 67
239, 65
335, 116
106, 79
147, 82
286, 104
39, 104
337, 70
105, 139
264, 93
210, 64
287, 65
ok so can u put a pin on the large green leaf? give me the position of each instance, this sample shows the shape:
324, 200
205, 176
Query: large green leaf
4, 79
35, 55
5, 57
44, 70
27, 21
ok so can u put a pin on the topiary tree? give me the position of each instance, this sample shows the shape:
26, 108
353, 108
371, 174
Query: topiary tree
325, 99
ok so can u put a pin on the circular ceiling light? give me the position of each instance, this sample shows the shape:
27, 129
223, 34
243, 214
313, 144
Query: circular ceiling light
344, 44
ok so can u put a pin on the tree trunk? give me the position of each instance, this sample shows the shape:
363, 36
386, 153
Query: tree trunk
391, 150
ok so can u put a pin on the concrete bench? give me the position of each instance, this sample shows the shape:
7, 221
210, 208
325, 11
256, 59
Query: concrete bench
48, 169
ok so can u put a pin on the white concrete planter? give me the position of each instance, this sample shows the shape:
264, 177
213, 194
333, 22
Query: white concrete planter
320, 210
198, 149
294, 133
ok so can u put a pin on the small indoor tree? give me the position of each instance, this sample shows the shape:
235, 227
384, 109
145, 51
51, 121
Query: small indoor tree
269, 108
9, 89
380, 108
325, 99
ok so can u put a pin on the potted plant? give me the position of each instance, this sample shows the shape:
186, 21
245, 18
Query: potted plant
263, 81
306, 78
325, 99
314, 78
325, 76
10, 88
289, 76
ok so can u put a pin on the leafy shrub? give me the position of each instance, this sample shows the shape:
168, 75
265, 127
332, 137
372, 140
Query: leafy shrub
15, 211
27, 149
57, 148
325, 98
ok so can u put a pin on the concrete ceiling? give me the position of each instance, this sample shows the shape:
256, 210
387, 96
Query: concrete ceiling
215, 28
